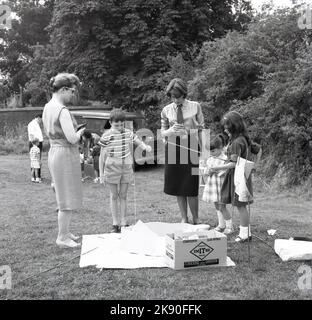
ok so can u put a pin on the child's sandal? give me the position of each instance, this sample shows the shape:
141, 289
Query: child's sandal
228, 231
242, 240
219, 229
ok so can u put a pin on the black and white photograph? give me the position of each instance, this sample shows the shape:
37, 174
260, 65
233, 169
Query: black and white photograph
156, 154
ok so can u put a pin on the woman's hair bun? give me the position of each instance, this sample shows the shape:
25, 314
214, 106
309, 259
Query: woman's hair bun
64, 80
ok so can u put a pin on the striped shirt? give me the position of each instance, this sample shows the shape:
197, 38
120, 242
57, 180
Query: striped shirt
118, 144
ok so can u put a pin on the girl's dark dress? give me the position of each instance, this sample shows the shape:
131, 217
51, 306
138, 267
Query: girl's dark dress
237, 147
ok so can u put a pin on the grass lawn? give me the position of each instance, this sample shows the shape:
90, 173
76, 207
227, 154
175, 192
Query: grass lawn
28, 231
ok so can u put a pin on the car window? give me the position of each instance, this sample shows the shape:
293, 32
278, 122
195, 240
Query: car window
107, 125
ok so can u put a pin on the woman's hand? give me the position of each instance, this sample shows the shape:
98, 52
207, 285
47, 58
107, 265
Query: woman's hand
178, 129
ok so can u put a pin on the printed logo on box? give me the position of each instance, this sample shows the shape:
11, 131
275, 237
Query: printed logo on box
201, 251
169, 254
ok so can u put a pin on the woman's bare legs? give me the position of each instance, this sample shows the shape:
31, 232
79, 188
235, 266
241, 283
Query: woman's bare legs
193, 203
64, 237
182, 202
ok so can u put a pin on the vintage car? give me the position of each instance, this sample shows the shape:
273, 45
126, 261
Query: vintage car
97, 121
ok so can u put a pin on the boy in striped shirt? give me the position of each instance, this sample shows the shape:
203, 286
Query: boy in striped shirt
116, 144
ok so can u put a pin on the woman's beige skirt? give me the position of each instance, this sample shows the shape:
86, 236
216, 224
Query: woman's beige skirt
64, 166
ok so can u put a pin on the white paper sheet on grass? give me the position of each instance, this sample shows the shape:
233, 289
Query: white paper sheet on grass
140, 246
293, 249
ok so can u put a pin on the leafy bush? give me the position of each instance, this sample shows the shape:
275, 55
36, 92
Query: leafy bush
265, 74
14, 141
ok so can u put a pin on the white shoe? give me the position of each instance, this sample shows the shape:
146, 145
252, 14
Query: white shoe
73, 237
228, 231
239, 239
68, 243
33, 180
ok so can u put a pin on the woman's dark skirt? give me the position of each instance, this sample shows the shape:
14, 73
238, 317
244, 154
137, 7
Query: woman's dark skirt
181, 176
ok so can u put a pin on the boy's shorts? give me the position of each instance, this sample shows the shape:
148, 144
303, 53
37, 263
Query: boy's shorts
117, 171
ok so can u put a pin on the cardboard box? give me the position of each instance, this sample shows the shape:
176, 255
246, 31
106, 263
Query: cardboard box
196, 249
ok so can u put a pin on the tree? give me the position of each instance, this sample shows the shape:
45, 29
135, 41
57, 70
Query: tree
121, 48
28, 30
4, 93
264, 73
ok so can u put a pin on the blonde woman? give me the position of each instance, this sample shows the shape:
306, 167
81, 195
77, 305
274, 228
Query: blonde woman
64, 159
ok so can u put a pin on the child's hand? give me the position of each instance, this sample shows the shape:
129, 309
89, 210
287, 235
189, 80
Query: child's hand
105, 140
212, 171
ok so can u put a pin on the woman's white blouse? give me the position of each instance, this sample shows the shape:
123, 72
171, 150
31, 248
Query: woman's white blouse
192, 114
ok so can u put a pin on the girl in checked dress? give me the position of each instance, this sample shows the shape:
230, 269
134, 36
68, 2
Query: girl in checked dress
214, 180
35, 161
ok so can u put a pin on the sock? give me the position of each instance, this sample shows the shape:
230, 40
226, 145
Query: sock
221, 221
229, 224
243, 232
